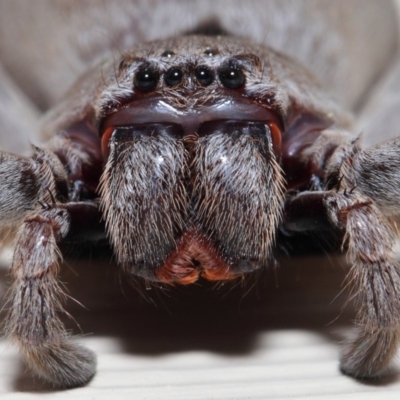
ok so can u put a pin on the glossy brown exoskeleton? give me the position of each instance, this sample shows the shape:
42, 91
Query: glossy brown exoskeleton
195, 151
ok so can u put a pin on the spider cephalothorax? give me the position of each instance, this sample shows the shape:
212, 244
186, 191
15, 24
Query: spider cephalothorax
195, 151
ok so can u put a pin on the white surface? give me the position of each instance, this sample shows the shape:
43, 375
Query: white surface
293, 364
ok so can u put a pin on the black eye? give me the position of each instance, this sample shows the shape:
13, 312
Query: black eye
173, 76
231, 76
146, 78
211, 52
204, 75
168, 53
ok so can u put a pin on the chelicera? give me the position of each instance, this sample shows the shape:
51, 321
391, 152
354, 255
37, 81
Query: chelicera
195, 151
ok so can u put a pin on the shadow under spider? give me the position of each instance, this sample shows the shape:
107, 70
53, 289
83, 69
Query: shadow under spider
302, 293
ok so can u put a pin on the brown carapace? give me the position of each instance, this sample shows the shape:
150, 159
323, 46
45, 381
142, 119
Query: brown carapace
195, 151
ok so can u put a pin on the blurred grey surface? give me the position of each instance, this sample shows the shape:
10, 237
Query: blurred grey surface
46, 44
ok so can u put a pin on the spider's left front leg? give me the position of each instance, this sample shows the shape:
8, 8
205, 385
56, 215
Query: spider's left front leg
375, 281
369, 193
366, 193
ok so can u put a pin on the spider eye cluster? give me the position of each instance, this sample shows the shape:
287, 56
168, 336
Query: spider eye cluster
230, 75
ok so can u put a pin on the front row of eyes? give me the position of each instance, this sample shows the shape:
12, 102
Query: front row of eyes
230, 75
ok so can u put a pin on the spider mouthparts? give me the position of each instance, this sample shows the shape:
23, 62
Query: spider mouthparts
179, 191
194, 257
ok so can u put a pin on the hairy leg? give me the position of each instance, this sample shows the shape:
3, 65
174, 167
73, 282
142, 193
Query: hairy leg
36, 297
365, 194
25, 182
375, 281
367, 191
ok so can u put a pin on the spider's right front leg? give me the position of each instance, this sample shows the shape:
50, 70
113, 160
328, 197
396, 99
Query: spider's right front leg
36, 297
31, 195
